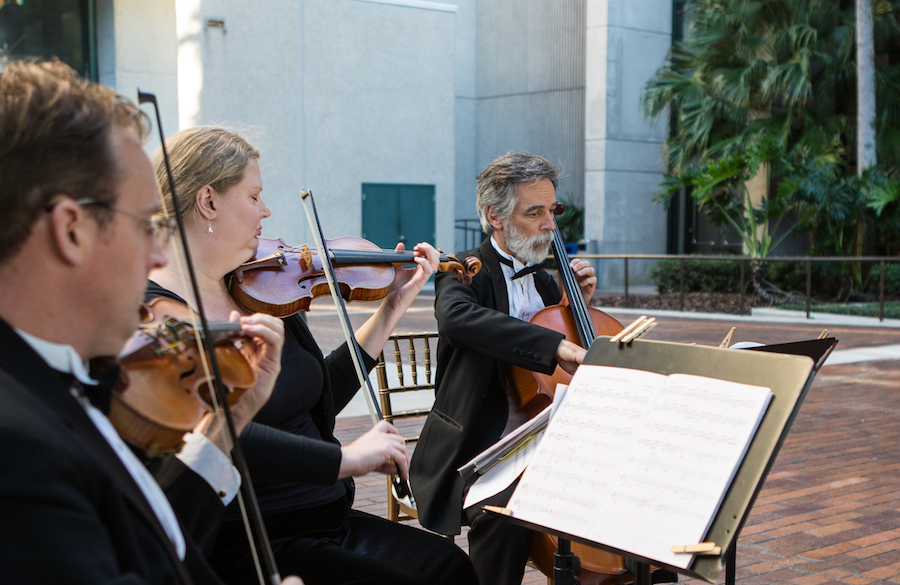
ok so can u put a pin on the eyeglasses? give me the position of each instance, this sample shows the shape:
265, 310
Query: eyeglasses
158, 226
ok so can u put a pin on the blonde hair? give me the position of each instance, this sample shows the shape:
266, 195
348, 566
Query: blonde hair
201, 156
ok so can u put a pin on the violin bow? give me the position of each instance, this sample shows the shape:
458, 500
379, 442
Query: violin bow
247, 496
401, 487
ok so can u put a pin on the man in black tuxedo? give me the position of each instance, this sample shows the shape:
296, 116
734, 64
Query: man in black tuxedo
79, 203
484, 329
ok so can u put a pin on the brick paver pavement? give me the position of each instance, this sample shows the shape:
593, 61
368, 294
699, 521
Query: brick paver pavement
829, 511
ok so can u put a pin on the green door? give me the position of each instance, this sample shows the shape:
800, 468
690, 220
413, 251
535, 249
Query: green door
398, 213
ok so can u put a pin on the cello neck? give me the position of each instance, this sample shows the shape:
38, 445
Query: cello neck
583, 323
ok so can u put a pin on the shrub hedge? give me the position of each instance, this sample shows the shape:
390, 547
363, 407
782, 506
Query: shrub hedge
724, 276
699, 276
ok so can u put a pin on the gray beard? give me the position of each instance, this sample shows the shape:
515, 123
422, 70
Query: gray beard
528, 249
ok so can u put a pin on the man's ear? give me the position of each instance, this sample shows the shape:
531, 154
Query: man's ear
494, 219
72, 230
207, 201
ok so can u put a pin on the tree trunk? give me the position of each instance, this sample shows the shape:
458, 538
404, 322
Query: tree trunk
759, 286
865, 99
865, 86
757, 194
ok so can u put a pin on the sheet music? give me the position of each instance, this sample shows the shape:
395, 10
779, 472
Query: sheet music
639, 461
500, 476
495, 468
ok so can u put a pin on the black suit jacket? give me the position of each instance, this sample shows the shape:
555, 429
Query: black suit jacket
69, 510
478, 339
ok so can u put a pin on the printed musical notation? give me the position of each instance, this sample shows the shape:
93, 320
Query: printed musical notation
639, 461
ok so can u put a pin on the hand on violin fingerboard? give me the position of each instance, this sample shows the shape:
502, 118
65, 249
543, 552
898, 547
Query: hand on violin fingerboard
409, 281
264, 355
406, 285
587, 280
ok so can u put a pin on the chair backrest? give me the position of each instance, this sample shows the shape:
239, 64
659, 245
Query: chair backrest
412, 371
406, 392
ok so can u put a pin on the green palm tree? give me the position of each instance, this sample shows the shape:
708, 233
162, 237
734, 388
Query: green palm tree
750, 71
775, 78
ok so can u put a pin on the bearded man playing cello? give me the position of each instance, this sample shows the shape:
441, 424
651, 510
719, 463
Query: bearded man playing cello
484, 329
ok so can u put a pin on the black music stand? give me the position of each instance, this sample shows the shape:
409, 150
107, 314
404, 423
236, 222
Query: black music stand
788, 376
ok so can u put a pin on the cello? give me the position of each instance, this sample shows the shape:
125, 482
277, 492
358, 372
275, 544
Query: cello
534, 391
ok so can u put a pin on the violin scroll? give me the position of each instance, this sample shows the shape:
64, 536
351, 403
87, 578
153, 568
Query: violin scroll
464, 271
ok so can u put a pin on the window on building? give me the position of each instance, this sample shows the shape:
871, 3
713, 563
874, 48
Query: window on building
47, 29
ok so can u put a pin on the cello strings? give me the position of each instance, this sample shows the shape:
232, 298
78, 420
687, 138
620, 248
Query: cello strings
576, 303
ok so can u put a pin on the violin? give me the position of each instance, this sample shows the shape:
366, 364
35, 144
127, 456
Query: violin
165, 390
282, 280
534, 391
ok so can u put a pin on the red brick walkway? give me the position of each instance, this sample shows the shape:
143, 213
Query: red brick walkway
829, 511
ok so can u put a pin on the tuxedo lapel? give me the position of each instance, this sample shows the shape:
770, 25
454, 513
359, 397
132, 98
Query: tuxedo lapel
495, 271
547, 288
85, 429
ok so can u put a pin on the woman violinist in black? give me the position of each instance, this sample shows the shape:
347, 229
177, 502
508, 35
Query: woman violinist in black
302, 474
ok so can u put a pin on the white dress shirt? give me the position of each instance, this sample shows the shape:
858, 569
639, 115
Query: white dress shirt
524, 299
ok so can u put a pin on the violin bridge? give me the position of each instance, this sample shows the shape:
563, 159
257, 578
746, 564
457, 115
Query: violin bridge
305, 258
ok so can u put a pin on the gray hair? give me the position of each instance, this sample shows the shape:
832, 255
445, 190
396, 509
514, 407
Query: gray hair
498, 183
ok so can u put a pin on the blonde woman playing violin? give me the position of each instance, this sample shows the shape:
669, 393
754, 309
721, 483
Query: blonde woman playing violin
302, 474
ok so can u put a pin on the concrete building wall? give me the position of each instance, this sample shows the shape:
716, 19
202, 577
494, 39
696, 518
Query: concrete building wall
529, 67
335, 93
338, 93
137, 48
626, 43
466, 112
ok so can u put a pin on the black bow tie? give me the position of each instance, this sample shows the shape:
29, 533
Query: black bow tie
106, 373
524, 272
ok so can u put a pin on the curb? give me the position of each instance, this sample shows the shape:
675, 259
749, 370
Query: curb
764, 315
